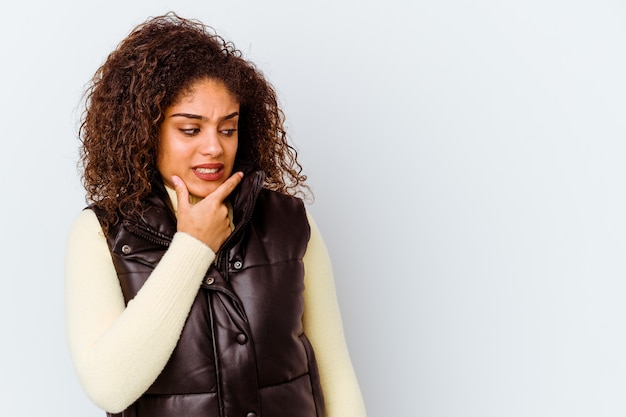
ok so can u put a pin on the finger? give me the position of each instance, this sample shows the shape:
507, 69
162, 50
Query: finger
227, 186
182, 194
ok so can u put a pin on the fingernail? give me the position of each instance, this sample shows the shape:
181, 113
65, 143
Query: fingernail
176, 180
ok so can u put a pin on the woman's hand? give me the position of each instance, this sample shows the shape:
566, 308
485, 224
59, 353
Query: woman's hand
208, 219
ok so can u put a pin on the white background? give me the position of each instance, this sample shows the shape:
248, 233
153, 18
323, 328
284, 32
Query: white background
467, 159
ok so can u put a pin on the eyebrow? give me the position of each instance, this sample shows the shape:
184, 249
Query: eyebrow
199, 117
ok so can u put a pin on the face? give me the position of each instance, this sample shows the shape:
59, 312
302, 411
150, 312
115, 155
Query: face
198, 138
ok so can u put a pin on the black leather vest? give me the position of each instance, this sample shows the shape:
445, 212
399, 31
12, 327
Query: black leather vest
242, 351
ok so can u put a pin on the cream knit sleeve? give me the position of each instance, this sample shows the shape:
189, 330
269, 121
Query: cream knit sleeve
323, 326
118, 351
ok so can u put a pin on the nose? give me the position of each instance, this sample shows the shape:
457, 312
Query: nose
210, 144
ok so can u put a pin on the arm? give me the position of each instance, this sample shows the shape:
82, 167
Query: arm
118, 350
322, 323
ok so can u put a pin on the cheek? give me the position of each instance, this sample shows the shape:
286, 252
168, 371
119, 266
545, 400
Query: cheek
173, 153
163, 164
162, 157
233, 149
161, 145
168, 157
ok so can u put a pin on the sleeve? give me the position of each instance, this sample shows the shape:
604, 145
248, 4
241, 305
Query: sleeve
118, 351
323, 326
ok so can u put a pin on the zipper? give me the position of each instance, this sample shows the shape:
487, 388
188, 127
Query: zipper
148, 234
164, 240
222, 260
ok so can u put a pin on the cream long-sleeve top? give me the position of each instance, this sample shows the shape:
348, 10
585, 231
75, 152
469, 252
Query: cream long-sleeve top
119, 350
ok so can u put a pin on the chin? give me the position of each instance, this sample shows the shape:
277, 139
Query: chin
202, 192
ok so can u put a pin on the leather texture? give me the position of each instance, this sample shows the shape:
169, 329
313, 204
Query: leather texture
242, 351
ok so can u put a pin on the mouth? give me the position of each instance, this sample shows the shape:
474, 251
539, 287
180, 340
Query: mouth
207, 170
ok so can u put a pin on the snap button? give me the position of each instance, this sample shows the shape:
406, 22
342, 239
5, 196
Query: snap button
237, 264
251, 414
209, 280
125, 249
241, 339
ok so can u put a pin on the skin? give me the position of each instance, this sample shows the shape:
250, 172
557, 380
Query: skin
197, 147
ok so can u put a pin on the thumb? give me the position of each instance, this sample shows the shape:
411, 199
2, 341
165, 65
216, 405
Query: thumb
182, 194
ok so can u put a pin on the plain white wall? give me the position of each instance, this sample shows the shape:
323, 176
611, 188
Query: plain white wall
468, 163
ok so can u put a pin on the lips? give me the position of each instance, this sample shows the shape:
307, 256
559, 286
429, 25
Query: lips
209, 172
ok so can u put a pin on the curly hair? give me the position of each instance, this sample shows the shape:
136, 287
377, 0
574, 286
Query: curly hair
152, 68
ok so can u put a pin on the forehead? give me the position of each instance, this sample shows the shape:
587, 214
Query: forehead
207, 90
206, 101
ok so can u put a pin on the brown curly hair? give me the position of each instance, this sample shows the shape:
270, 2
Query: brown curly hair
150, 70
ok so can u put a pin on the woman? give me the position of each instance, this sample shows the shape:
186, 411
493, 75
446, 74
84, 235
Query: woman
196, 283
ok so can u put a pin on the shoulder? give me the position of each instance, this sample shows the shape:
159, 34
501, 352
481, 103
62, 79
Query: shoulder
275, 197
85, 237
281, 206
281, 217
86, 222
85, 230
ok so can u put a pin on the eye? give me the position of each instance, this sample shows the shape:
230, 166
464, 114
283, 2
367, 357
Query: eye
228, 132
190, 132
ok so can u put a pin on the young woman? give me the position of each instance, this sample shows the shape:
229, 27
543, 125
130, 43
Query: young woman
196, 283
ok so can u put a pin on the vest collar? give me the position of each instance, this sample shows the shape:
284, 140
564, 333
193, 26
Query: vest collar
159, 218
